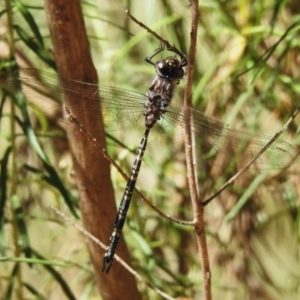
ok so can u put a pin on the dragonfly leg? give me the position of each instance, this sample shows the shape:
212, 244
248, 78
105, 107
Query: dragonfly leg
148, 59
183, 60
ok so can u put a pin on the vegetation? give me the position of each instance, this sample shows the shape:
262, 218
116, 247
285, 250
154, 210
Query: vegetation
246, 74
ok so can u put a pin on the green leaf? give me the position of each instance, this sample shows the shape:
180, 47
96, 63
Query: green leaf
22, 228
35, 47
55, 181
12, 278
60, 280
30, 21
34, 291
53, 177
3, 195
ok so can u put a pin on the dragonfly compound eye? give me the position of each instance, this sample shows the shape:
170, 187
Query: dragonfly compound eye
170, 68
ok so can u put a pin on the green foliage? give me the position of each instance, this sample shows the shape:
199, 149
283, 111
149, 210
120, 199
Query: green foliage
246, 74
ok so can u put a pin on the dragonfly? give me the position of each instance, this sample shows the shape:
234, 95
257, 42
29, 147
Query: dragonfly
122, 109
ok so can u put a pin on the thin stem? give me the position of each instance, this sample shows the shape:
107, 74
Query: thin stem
116, 257
190, 154
158, 37
143, 198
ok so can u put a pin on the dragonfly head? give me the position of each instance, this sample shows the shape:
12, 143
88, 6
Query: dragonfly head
170, 68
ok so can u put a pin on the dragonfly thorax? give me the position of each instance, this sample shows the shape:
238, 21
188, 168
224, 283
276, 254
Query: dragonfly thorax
159, 96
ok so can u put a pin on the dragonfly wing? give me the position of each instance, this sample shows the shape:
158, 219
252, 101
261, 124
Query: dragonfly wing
227, 147
120, 108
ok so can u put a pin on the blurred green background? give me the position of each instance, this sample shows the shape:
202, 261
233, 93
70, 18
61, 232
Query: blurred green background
246, 74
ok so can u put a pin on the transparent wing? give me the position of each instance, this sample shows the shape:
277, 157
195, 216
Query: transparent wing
123, 109
229, 147
120, 108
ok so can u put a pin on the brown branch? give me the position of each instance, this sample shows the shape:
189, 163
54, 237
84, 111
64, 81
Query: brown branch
72, 55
